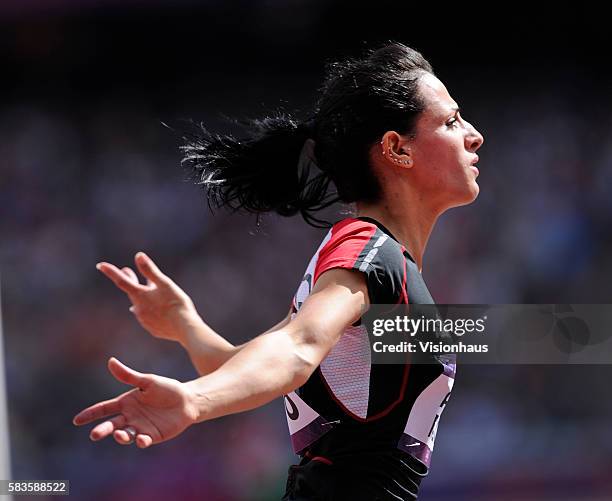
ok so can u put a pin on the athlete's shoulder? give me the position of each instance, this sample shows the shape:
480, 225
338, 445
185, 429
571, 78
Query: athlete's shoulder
352, 241
364, 246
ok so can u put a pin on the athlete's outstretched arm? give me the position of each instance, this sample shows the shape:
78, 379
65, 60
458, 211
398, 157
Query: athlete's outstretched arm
167, 312
266, 367
276, 363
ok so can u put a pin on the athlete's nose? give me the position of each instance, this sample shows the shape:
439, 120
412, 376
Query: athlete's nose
473, 140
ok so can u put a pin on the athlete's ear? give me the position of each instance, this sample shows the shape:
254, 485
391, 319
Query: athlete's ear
396, 149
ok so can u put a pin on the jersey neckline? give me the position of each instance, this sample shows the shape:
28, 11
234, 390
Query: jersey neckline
387, 231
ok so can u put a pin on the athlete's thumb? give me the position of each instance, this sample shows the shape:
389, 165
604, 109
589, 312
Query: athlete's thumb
126, 375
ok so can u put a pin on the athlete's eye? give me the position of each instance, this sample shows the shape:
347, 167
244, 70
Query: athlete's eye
452, 123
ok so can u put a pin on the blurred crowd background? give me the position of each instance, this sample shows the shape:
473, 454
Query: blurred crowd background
88, 172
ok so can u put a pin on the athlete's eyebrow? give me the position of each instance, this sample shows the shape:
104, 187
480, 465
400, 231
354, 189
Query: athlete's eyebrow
452, 112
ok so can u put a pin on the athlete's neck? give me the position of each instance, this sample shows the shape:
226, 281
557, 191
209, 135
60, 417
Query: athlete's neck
410, 224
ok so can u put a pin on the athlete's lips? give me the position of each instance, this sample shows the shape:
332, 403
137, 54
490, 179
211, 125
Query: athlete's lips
473, 165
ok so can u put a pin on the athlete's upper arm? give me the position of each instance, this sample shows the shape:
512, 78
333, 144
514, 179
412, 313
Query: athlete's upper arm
335, 302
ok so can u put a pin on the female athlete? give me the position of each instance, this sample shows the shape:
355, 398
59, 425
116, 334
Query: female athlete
393, 142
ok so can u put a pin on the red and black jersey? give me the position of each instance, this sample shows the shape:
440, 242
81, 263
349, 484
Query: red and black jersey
351, 408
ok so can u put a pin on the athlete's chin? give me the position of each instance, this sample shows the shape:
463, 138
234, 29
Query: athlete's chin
463, 194
467, 196
474, 191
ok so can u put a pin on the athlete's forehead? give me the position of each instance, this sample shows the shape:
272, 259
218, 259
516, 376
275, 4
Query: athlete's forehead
438, 101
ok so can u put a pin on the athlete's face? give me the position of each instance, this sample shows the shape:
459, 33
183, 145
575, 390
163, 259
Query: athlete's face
443, 151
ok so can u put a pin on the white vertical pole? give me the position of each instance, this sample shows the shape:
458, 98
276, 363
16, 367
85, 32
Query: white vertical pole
5, 454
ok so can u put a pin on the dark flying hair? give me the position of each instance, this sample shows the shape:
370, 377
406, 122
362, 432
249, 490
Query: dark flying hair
272, 168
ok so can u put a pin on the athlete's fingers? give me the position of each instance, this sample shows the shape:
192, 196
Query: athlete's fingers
120, 279
143, 441
104, 429
97, 411
149, 269
127, 375
122, 437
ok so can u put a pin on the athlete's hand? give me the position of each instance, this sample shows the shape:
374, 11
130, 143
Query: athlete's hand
158, 409
160, 305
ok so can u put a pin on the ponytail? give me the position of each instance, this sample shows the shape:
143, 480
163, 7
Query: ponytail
271, 169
